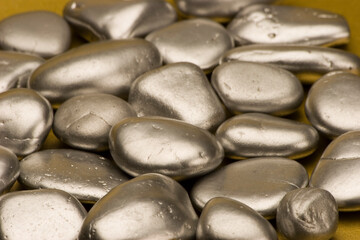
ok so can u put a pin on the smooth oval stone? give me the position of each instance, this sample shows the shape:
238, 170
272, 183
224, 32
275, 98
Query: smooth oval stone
101, 67
167, 146
276, 24
253, 87
260, 183
38, 32
198, 41
9, 170
114, 19
225, 218
85, 175
308, 62
25, 120
151, 206
172, 90
40, 214
262, 135
333, 104
307, 214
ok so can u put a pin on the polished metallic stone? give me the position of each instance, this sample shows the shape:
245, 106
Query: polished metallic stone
199, 41
172, 90
333, 104
260, 135
102, 67
151, 206
38, 32
167, 146
308, 62
25, 120
114, 19
40, 214
307, 214
277, 24
9, 170
225, 219
260, 183
86, 176
253, 87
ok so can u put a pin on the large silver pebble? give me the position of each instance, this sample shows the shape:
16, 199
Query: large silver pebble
254, 87
226, 219
85, 175
166, 146
40, 214
151, 206
260, 183
114, 19
38, 32
25, 120
172, 90
9, 169
257, 135
101, 67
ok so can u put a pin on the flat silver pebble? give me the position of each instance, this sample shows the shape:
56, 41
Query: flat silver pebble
167, 146
254, 87
333, 104
307, 214
87, 176
151, 206
38, 32
101, 67
172, 90
41, 215
113, 19
260, 183
9, 169
279, 24
25, 120
198, 41
225, 219
259, 135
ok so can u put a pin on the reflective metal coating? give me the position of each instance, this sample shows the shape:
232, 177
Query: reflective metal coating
25, 120
260, 135
101, 67
39, 32
253, 87
172, 90
151, 206
198, 41
225, 219
260, 183
9, 169
114, 19
85, 175
40, 214
276, 24
307, 214
333, 104
167, 146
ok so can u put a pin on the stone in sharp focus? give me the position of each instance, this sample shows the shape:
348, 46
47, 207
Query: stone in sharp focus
9, 170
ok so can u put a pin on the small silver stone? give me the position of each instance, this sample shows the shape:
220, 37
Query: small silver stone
9, 170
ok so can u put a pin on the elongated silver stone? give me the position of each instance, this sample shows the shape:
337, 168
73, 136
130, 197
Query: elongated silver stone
38, 32
260, 183
25, 120
225, 219
198, 41
172, 90
101, 67
162, 145
151, 206
40, 214
9, 170
85, 175
260, 135
333, 104
113, 19
253, 87
307, 214
277, 24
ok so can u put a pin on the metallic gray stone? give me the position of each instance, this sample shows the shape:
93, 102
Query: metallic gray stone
9, 170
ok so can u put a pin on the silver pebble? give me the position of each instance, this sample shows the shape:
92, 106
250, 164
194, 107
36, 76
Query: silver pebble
9, 170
